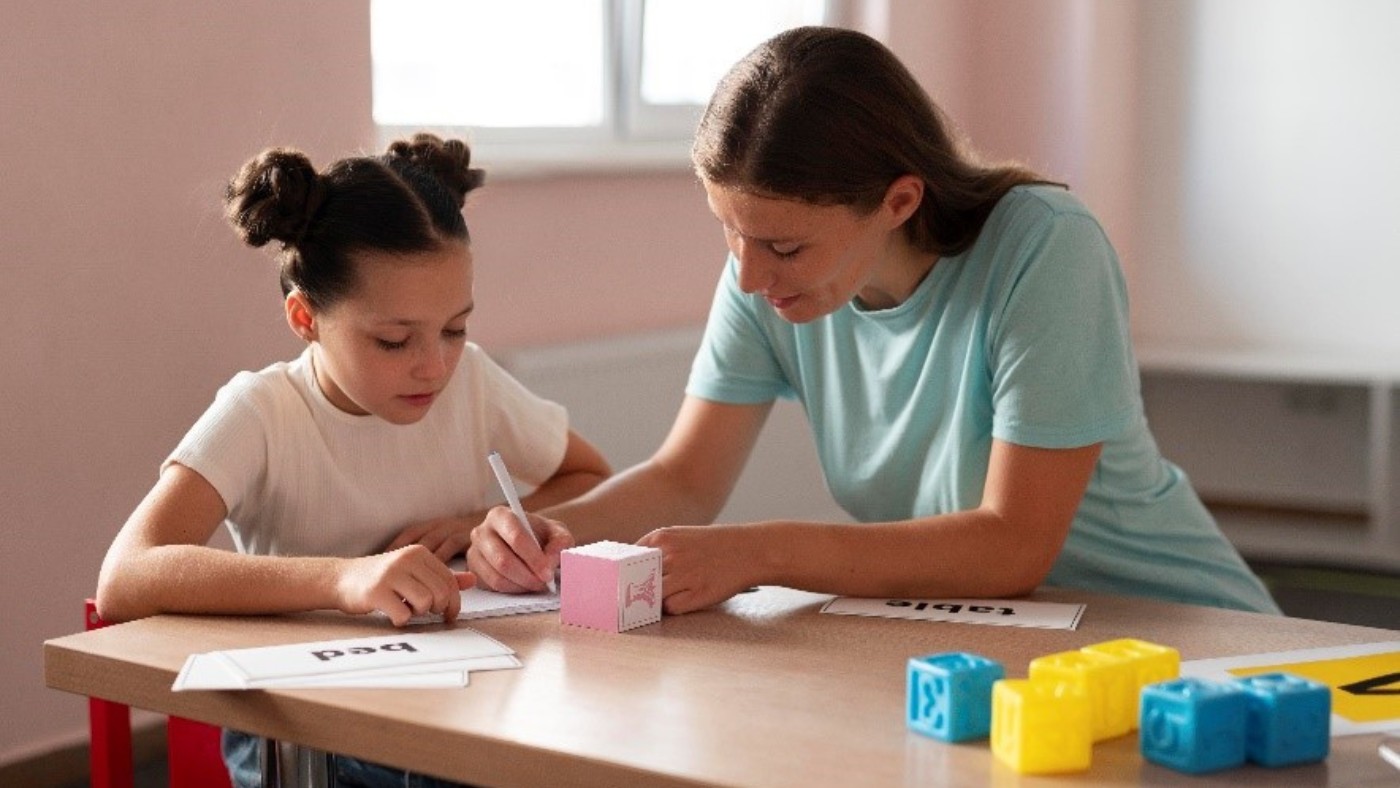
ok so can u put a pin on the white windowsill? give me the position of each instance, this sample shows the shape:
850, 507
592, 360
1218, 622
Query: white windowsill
553, 158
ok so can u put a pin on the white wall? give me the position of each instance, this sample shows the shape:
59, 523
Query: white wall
1269, 169
623, 393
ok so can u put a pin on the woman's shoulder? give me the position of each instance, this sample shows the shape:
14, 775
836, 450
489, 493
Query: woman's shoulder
1042, 200
1029, 214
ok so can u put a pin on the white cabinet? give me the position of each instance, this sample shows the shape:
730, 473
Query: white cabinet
1297, 455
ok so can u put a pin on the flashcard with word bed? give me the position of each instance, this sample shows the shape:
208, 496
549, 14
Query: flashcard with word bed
395, 659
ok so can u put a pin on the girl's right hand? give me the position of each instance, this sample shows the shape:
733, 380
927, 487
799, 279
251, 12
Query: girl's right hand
410, 581
504, 557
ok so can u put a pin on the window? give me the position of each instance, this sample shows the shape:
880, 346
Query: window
553, 84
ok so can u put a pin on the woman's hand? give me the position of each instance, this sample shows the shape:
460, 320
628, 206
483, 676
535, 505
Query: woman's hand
504, 556
702, 565
446, 537
410, 581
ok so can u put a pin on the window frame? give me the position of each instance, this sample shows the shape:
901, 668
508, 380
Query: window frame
632, 135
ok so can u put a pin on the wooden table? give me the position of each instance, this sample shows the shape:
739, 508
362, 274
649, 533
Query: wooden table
762, 690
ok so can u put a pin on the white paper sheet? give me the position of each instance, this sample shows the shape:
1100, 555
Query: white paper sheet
480, 603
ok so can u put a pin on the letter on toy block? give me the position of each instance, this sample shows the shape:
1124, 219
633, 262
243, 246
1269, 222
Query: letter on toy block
610, 586
1151, 663
950, 695
1109, 683
1193, 725
1040, 727
1290, 719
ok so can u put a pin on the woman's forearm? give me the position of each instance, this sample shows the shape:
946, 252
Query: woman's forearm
971, 553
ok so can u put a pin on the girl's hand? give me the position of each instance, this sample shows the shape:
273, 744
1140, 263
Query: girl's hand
504, 557
407, 582
446, 537
701, 565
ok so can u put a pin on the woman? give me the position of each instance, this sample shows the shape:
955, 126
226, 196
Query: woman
958, 335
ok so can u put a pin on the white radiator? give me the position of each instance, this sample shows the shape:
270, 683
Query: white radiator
623, 393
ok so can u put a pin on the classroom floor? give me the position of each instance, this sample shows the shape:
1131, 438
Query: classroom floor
1326, 594
148, 775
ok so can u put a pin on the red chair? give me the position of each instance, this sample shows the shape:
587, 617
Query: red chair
193, 756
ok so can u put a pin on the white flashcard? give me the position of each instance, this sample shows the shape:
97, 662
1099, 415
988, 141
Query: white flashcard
454, 679
991, 612
435, 674
213, 671
390, 650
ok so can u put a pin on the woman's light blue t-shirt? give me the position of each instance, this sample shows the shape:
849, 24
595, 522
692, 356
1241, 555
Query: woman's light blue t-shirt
1024, 337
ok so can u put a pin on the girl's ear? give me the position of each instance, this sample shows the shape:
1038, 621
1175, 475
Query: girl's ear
300, 316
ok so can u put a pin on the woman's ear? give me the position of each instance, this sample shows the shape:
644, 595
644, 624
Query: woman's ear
300, 316
903, 198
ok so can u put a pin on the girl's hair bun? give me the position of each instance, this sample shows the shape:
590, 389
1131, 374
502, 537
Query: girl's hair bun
274, 197
448, 160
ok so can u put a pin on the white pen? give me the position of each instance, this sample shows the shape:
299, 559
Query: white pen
513, 498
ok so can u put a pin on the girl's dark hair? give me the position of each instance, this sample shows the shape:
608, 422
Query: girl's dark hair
831, 117
407, 200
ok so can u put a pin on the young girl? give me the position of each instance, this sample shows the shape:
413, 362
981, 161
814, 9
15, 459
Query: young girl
349, 476
957, 334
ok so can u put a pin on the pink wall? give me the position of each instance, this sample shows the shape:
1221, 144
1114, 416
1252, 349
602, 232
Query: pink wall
582, 257
125, 298
1050, 83
128, 301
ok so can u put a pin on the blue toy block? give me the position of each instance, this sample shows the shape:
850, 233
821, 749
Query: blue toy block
1193, 725
1290, 719
950, 695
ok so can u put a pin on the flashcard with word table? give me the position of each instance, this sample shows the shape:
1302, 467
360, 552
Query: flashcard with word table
992, 612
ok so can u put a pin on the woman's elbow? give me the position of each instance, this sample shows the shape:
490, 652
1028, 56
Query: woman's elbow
1018, 587
1024, 577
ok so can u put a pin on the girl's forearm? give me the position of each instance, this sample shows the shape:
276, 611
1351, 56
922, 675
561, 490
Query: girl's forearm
197, 579
561, 488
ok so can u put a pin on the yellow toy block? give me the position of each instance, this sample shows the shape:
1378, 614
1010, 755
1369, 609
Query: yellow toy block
1109, 683
1040, 727
1150, 662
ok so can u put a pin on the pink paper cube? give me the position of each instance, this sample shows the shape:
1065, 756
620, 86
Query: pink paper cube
610, 586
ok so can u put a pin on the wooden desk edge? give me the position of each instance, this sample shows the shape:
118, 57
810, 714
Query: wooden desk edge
80, 664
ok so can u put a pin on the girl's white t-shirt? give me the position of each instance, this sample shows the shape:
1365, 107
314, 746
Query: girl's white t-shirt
302, 477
